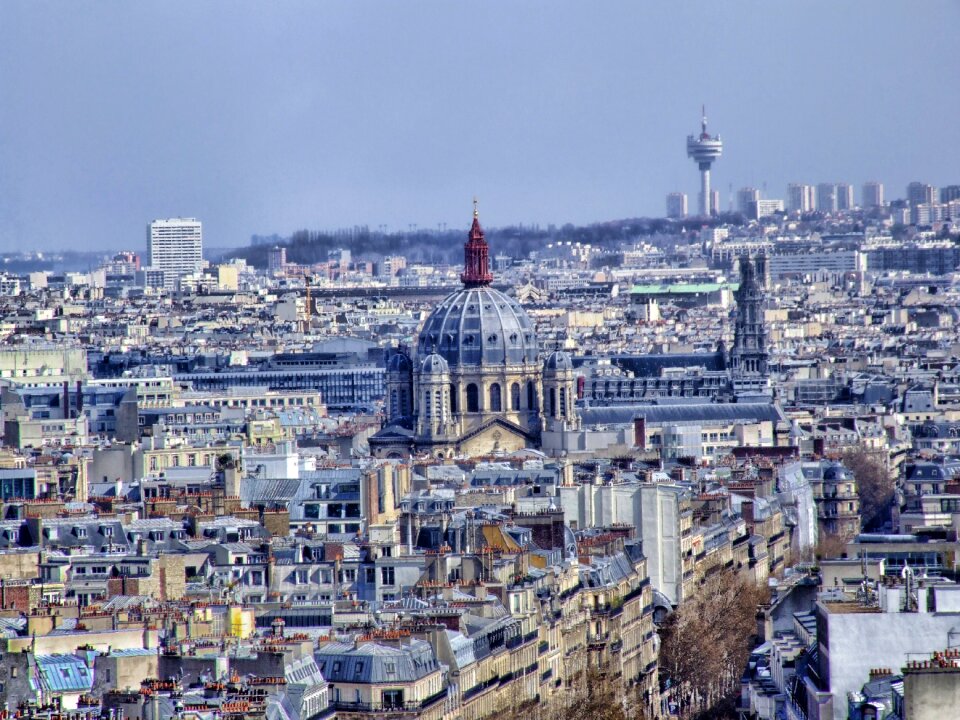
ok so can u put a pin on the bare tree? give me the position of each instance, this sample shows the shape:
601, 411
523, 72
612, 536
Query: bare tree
874, 485
706, 643
829, 546
597, 696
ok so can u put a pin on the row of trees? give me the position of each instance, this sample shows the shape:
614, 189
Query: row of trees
595, 697
310, 246
706, 642
705, 646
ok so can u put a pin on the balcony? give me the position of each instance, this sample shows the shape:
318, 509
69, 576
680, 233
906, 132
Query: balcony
390, 708
597, 640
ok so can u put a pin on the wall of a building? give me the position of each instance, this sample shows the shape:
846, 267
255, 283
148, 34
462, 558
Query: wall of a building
931, 694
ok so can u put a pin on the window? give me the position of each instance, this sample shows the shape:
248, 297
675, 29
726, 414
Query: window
453, 398
532, 403
515, 396
336, 666
387, 575
473, 398
496, 404
553, 402
392, 698
358, 668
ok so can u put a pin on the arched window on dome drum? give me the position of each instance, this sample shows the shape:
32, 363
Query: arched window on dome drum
515, 397
394, 404
427, 405
532, 396
496, 403
453, 398
473, 398
563, 402
553, 402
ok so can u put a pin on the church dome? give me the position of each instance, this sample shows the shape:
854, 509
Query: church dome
398, 363
479, 325
558, 361
434, 364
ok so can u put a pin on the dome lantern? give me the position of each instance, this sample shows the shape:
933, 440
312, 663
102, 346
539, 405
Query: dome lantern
476, 255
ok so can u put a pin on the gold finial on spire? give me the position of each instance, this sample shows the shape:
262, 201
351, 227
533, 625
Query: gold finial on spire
476, 213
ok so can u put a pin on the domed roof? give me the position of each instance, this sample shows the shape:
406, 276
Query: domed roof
479, 325
558, 360
433, 364
836, 471
398, 363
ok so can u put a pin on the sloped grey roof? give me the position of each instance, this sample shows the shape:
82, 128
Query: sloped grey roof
254, 491
682, 413
64, 673
373, 662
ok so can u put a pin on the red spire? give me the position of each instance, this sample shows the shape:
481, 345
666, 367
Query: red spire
476, 255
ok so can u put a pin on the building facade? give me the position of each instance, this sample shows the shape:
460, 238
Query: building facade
175, 246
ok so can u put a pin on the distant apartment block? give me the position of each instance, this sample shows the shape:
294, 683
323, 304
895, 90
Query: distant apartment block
676, 205
872, 194
827, 197
845, 196
919, 193
816, 261
764, 208
746, 197
175, 246
801, 198
276, 259
949, 193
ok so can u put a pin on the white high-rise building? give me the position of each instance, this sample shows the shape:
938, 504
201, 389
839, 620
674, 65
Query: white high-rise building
175, 246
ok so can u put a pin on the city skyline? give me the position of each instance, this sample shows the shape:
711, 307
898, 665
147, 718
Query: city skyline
272, 119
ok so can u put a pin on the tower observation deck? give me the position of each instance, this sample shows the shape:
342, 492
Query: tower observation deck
704, 149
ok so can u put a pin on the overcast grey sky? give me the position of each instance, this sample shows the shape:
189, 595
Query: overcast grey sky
262, 117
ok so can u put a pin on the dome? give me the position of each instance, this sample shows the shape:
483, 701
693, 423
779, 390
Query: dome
558, 361
837, 472
398, 363
479, 326
433, 364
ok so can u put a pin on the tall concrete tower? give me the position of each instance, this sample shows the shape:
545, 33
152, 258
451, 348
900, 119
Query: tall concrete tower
704, 149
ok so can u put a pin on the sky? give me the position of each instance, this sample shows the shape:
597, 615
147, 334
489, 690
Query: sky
267, 117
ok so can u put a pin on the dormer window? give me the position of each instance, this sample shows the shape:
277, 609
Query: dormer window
80, 532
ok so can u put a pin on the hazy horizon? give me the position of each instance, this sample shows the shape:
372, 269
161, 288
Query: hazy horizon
262, 118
